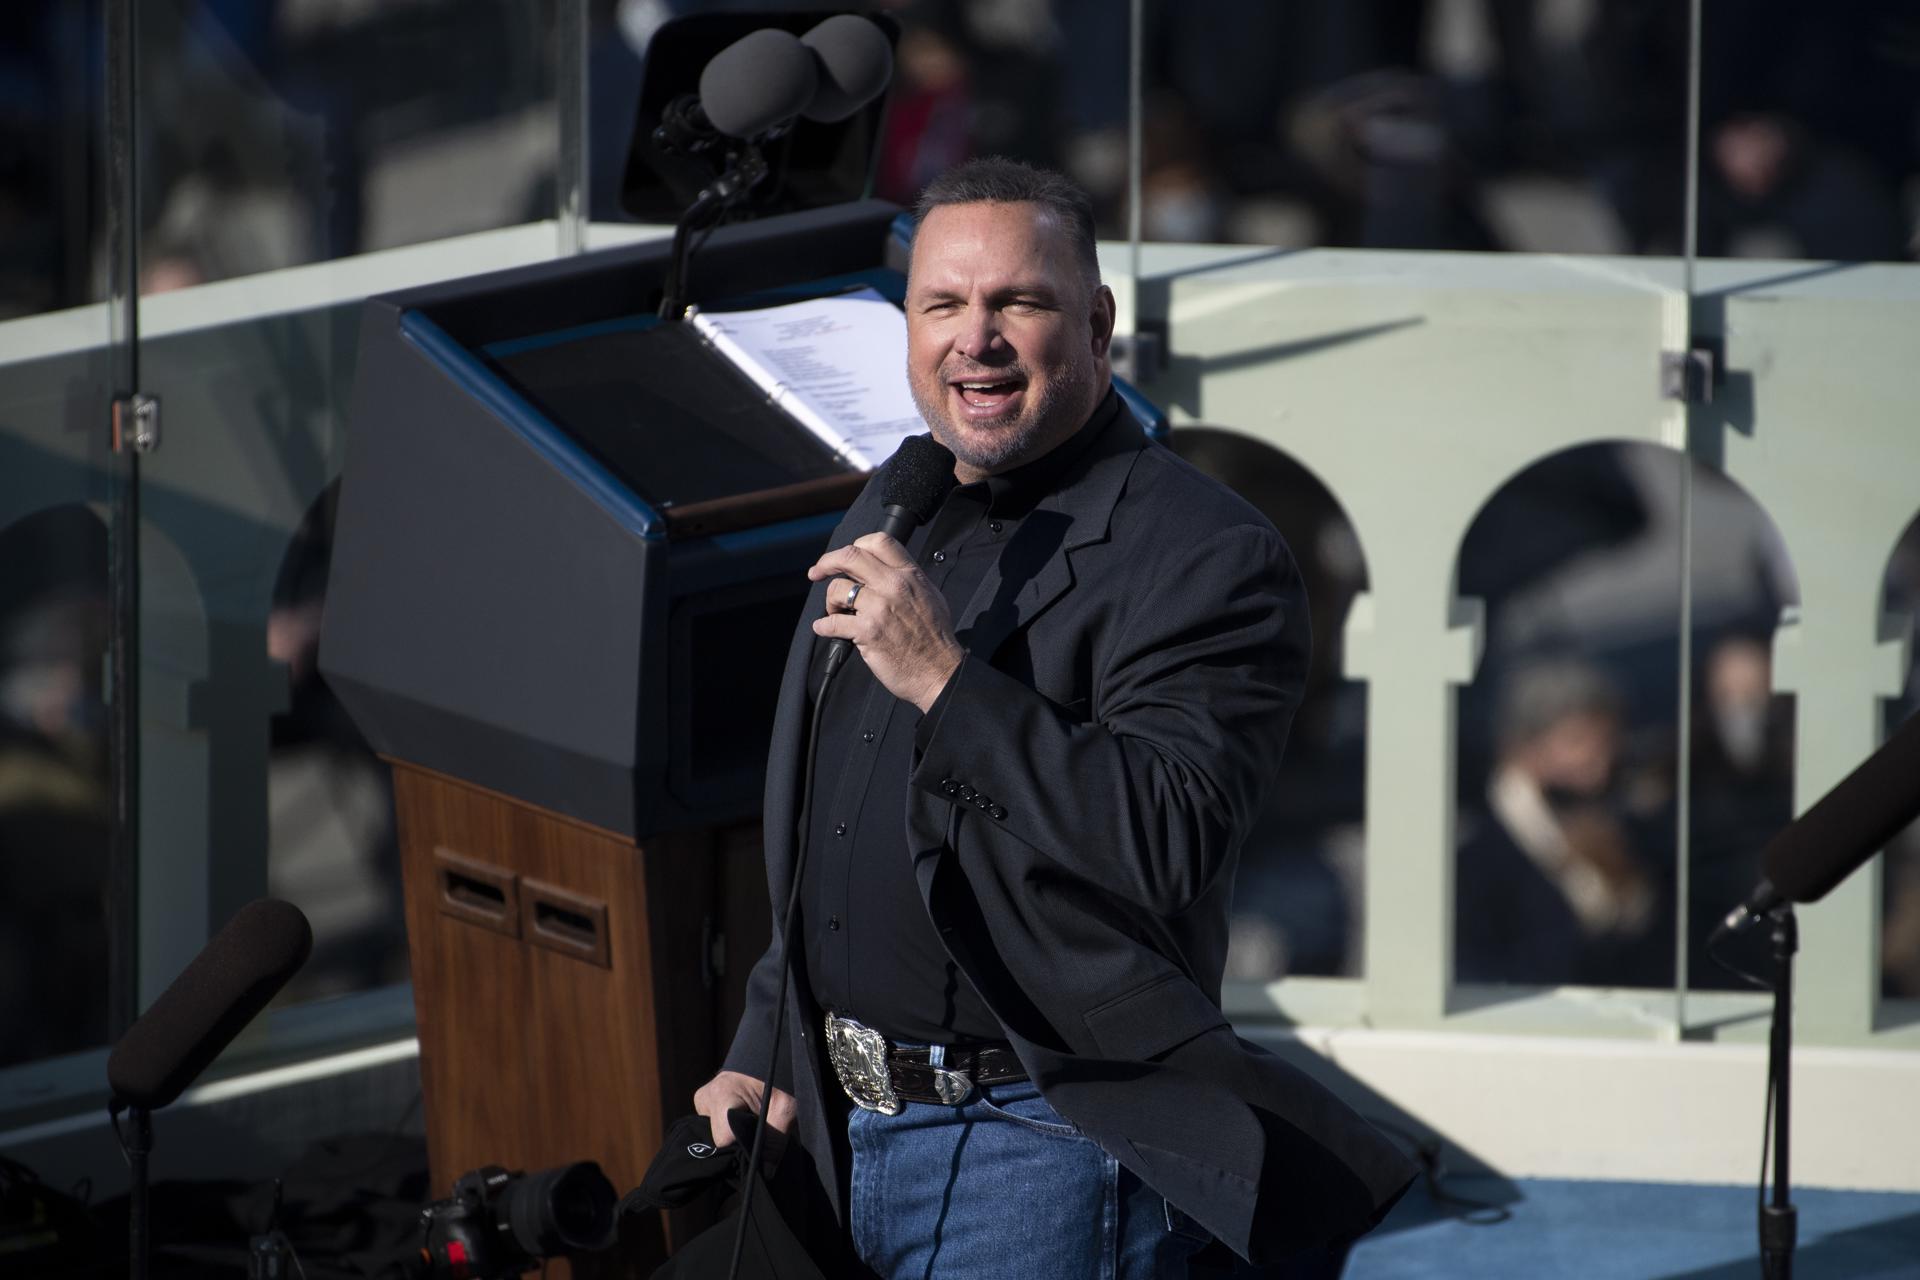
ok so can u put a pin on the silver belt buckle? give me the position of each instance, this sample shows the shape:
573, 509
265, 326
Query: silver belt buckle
859, 1057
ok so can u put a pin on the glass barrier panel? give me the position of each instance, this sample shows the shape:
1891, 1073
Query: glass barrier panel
1804, 427
52, 159
275, 135
296, 159
1740, 748
1900, 901
1568, 733
56, 382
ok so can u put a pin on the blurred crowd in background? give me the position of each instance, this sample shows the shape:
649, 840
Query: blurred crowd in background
277, 132
274, 133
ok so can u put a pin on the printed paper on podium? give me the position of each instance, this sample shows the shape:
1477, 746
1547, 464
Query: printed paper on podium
838, 364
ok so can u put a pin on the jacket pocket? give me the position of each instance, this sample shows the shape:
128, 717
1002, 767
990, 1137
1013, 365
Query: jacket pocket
1152, 1019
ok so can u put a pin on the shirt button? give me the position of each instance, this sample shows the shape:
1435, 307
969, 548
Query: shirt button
994, 525
939, 557
867, 736
839, 828
833, 924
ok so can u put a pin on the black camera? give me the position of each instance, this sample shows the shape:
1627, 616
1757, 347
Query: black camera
498, 1223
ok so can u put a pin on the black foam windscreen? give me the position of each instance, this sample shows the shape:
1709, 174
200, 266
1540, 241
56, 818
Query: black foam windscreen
1850, 823
917, 477
855, 62
764, 78
221, 991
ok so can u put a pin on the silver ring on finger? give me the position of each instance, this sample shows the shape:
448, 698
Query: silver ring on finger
853, 593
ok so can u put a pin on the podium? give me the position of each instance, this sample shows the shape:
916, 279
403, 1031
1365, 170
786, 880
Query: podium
569, 558
570, 554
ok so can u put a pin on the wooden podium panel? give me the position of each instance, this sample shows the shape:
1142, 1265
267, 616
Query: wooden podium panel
569, 983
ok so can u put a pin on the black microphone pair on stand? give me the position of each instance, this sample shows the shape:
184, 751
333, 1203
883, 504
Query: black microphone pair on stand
751, 92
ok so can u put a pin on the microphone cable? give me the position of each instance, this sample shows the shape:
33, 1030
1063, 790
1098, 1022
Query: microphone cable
915, 482
786, 971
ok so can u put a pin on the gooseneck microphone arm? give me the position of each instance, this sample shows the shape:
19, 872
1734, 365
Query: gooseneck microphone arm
751, 92
745, 172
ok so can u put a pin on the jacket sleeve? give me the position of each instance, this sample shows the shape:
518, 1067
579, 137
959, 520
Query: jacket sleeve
753, 1039
1191, 706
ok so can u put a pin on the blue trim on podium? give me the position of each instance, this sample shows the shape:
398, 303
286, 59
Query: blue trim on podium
1152, 420
799, 529
514, 346
632, 512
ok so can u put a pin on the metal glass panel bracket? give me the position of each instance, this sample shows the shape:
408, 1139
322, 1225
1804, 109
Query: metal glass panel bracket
136, 424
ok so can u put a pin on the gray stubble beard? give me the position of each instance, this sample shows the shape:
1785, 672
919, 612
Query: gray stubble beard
1070, 389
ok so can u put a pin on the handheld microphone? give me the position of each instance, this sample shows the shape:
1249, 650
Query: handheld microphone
855, 62
1843, 829
216, 995
913, 484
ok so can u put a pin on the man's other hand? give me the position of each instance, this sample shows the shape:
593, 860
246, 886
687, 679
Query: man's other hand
731, 1089
898, 619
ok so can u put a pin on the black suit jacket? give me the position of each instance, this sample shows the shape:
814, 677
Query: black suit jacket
1134, 661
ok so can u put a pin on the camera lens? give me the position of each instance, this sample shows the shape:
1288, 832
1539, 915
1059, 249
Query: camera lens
569, 1206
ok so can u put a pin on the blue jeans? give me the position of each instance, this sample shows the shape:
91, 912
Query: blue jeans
1002, 1186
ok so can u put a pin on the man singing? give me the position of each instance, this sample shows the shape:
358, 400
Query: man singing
1004, 1043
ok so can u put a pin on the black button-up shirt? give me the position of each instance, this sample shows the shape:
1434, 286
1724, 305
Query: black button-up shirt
871, 951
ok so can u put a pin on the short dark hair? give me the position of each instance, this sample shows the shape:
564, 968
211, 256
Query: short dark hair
998, 180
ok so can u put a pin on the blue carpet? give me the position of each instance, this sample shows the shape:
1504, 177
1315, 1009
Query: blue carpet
1634, 1231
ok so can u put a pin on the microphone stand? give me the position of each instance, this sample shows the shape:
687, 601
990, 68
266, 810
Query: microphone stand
1779, 1219
137, 1141
745, 169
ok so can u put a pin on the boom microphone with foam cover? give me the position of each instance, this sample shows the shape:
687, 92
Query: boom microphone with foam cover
1844, 828
763, 79
221, 991
1850, 823
913, 484
855, 62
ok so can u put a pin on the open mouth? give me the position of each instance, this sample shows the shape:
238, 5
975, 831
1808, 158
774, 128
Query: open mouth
986, 397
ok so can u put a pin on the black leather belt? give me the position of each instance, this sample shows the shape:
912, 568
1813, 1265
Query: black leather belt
913, 1073
881, 1076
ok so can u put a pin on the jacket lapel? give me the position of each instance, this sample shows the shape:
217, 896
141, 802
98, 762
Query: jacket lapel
1036, 568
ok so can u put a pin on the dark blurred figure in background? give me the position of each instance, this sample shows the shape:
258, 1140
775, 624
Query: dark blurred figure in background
1808, 116
1487, 124
51, 207
1741, 787
53, 785
1552, 886
1900, 924
332, 846
279, 132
